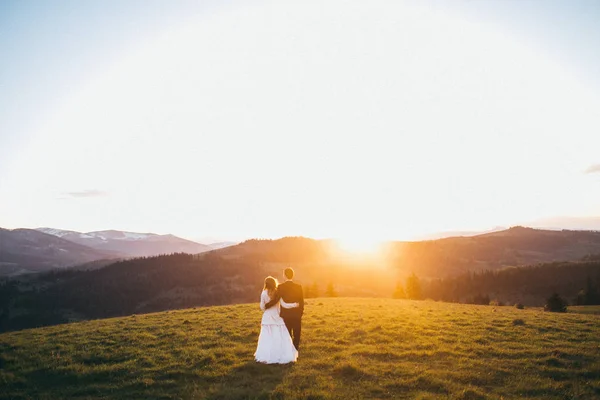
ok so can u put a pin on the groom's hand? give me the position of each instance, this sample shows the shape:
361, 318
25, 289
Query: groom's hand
272, 302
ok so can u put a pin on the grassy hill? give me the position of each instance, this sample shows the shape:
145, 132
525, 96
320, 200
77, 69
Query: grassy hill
352, 348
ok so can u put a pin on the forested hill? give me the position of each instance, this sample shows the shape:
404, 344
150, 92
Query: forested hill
517, 246
161, 283
180, 280
577, 281
285, 250
454, 269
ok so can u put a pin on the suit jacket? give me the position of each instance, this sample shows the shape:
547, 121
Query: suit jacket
290, 292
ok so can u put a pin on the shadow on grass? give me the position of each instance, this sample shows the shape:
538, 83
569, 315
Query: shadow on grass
252, 380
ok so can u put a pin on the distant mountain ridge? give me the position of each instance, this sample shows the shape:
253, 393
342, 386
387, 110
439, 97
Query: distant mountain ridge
102, 235
447, 234
132, 244
517, 246
28, 250
36, 250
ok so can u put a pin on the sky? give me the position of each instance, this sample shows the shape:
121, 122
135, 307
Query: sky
380, 120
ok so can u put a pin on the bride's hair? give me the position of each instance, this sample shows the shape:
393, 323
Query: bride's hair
270, 285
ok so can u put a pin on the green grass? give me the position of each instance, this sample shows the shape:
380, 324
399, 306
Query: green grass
352, 349
584, 309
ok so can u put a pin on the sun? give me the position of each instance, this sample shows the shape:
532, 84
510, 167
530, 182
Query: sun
356, 245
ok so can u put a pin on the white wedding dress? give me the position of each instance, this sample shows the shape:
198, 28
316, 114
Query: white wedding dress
274, 342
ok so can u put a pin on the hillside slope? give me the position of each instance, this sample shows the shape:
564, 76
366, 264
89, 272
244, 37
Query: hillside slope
516, 246
351, 348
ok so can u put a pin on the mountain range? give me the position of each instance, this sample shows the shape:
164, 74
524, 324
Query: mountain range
42, 249
513, 247
28, 250
514, 265
130, 244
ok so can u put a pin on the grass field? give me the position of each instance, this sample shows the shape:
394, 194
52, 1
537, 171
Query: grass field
352, 349
585, 309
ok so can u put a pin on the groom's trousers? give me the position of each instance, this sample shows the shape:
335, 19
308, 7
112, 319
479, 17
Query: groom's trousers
294, 327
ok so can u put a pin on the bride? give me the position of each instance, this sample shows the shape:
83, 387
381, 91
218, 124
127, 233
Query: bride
274, 342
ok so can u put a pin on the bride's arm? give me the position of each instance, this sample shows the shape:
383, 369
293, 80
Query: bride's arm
288, 305
263, 299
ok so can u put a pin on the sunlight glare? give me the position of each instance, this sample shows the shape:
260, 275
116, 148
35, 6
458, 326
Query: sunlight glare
422, 119
359, 246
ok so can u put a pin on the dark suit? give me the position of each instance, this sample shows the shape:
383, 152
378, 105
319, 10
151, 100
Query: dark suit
291, 292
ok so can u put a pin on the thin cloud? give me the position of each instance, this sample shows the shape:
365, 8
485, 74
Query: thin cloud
593, 169
85, 194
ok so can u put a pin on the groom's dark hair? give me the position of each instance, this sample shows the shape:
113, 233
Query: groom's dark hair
289, 273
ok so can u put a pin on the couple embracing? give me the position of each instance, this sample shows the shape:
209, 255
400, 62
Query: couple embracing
283, 306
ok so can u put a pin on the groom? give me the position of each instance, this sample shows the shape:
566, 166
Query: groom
290, 292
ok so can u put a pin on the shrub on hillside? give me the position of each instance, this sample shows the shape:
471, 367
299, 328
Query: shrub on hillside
555, 303
519, 306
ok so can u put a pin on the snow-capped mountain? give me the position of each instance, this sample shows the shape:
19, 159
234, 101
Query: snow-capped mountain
55, 232
133, 244
99, 235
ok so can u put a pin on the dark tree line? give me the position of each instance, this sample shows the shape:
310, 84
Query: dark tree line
151, 284
590, 295
133, 286
180, 281
579, 282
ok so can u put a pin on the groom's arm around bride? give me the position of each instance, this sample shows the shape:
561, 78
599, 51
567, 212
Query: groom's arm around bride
290, 292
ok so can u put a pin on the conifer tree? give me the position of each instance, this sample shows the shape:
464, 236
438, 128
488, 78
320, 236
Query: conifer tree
555, 303
330, 291
413, 287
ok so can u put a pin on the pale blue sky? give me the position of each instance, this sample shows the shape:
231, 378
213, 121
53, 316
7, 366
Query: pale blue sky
49, 48
565, 30
464, 78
